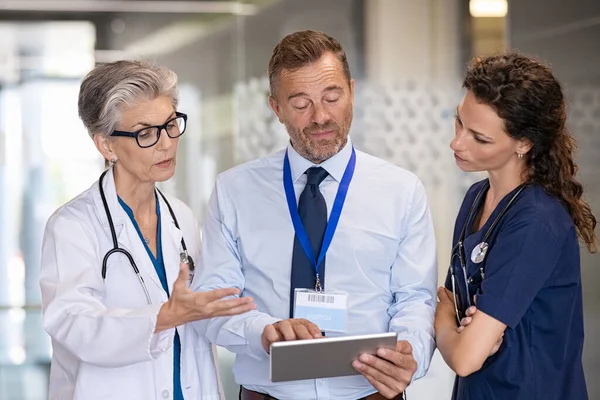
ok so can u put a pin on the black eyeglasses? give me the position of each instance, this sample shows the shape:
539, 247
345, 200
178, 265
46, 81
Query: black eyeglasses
149, 136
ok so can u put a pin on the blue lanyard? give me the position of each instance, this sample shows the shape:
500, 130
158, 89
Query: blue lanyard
334, 218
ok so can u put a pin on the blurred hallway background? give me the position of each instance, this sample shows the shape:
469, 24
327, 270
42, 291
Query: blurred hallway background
407, 56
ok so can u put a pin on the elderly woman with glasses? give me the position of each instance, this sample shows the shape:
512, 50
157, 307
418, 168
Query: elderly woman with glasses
118, 258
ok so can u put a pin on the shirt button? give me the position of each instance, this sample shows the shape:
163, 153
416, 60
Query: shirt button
165, 394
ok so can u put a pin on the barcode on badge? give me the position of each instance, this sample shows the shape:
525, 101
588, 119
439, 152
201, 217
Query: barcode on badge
321, 298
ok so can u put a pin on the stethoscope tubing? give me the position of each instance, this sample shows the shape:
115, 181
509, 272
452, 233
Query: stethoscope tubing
117, 249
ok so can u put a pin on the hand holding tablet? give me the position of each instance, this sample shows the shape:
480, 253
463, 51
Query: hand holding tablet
289, 329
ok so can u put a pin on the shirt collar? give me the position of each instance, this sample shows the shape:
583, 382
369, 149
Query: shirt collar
335, 165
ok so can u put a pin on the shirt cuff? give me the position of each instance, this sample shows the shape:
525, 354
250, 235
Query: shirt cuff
419, 355
254, 333
159, 341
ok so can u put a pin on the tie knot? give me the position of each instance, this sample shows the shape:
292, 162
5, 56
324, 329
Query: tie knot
315, 175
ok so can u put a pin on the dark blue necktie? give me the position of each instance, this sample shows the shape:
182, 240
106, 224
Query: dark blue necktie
313, 214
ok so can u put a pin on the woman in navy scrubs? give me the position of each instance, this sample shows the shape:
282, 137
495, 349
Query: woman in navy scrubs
514, 283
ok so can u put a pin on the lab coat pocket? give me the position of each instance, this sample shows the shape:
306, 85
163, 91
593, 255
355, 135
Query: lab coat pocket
132, 382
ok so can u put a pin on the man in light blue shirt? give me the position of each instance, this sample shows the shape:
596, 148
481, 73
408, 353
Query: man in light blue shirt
261, 224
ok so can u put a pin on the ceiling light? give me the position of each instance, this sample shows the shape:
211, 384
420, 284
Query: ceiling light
488, 8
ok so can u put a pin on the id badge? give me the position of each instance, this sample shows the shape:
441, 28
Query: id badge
327, 310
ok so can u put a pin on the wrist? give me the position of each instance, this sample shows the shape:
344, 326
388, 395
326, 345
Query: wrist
444, 322
166, 318
446, 335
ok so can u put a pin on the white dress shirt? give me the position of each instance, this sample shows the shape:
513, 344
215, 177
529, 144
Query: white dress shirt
383, 254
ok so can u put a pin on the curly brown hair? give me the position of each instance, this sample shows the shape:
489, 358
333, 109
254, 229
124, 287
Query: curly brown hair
526, 95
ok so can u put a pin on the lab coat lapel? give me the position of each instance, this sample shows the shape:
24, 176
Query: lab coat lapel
171, 243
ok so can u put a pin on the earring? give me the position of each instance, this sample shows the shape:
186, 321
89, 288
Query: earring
112, 161
520, 155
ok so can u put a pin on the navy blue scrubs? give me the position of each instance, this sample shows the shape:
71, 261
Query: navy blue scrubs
532, 283
159, 266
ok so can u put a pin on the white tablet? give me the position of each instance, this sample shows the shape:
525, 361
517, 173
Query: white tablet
324, 358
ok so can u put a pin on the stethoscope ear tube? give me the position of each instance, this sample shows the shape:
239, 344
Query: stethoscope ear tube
116, 248
133, 265
185, 257
111, 226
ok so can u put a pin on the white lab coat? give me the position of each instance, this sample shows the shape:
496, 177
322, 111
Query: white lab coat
104, 345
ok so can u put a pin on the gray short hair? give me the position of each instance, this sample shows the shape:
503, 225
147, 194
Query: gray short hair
110, 88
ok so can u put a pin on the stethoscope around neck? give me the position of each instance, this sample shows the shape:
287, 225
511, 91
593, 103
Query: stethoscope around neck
183, 256
479, 252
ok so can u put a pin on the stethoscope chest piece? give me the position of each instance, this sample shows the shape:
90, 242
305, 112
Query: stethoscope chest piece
479, 252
